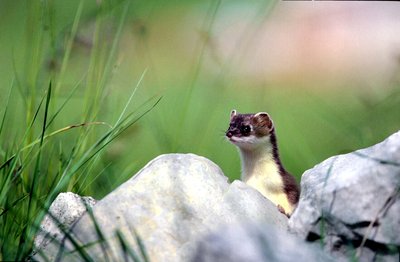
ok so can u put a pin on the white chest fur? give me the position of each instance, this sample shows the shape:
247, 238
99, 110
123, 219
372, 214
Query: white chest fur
260, 171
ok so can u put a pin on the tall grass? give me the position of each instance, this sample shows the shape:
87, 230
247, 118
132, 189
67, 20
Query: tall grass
45, 157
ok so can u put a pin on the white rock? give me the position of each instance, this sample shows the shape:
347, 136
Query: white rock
253, 243
66, 208
345, 195
169, 203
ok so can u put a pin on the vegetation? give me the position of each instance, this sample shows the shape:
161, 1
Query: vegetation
90, 94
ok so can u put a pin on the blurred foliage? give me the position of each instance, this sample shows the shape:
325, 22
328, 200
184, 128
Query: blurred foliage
312, 124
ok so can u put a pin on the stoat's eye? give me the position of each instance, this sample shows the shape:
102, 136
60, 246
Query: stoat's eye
245, 130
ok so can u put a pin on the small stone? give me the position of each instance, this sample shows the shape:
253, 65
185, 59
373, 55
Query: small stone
66, 208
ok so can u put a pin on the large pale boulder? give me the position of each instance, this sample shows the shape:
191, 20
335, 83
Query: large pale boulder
165, 207
255, 243
352, 203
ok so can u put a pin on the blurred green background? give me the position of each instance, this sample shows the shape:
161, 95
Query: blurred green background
177, 46
329, 88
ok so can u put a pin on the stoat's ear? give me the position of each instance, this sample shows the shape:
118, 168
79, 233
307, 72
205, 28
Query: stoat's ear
233, 113
263, 119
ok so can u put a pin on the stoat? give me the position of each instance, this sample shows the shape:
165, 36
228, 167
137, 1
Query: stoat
254, 135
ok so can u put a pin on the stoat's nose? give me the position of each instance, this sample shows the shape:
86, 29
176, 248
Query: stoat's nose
229, 134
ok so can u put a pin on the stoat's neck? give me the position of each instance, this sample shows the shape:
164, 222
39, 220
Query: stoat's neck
254, 160
262, 170
259, 161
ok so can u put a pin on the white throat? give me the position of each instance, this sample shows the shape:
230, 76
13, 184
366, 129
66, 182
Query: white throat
260, 170
257, 161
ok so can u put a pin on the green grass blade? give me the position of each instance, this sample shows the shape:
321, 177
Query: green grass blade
126, 249
101, 238
131, 97
6, 106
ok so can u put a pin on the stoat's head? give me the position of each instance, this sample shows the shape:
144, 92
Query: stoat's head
249, 131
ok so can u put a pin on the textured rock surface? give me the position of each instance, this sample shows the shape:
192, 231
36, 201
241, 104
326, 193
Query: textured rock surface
255, 243
169, 203
352, 202
66, 208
